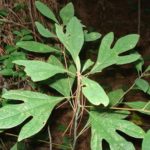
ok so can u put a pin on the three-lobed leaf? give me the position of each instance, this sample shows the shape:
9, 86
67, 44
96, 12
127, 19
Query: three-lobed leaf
108, 56
104, 126
94, 93
36, 105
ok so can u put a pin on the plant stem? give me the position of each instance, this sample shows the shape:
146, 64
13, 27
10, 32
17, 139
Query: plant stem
130, 88
50, 138
77, 100
130, 109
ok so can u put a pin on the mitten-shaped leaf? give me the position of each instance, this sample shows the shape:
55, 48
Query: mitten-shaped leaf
104, 126
73, 39
36, 105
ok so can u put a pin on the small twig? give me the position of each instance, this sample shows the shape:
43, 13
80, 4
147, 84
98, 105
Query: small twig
7, 86
77, 112
32, 19
15, 15
15, 23
130, 88
21, 25
130, 109
50, 138
85, 128
3, 144
42, 141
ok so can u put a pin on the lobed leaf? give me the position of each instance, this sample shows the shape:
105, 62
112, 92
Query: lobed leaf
73, 39
104, 126
35, 105
108, 56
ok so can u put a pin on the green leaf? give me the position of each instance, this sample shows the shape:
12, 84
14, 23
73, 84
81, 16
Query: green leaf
39, 70
44, 31
13, 56
10, 48
87, 65
7, 72
73, 39
148, 68
27, 38
63, 83
94, 92
138, 65
19, 146
45, 11
36, 105
142, 107
66, 13
128, 59
104, 126
146, 143
108, 56
92, 36
54, 61
115, 96
37, 47
25, 32
142, 85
